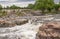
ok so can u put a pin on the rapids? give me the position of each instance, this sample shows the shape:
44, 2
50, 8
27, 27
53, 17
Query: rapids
26, 31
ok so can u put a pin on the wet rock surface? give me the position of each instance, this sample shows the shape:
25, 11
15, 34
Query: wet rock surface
50, 30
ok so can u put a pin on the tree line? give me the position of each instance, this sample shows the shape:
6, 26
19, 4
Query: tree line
39, 5
43, 5
10, 7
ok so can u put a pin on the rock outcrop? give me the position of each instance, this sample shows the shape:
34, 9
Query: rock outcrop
50, 30
12, 23
21, 21
4, 23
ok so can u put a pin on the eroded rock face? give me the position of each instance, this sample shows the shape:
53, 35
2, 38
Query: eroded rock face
50, 30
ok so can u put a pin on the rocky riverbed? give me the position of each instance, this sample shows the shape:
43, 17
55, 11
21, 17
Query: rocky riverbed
25, 31
11, 22
24, 27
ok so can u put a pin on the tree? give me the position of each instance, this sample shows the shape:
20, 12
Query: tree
44, 4
57, 8
7, 7
50, 5
30, 6
0, 7
14, 7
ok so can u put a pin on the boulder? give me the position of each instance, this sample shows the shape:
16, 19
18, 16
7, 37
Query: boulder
21, 21
12, 22
50, 30
4, 23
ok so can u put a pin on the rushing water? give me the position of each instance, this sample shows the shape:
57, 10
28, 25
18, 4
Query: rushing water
26, 31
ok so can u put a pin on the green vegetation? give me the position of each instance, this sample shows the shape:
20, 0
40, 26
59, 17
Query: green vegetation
14, 7
0, 7
19, 14
30, 6
44, 5
3, 13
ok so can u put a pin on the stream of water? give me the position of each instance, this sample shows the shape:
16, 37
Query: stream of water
26, 31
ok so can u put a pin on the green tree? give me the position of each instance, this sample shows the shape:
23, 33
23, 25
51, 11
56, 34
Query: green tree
30, 6
44, 4
0, 7
7, 7
57, 7
14, 7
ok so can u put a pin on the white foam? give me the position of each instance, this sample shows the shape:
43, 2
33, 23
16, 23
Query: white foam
26, 31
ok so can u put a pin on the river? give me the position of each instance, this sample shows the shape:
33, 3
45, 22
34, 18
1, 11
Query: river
26, 31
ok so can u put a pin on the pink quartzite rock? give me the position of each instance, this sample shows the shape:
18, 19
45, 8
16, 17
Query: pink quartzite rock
50, 30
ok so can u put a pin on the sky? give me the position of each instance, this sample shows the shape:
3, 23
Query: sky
21, 3
56, 1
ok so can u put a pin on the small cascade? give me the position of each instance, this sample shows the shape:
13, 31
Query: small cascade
25, 31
